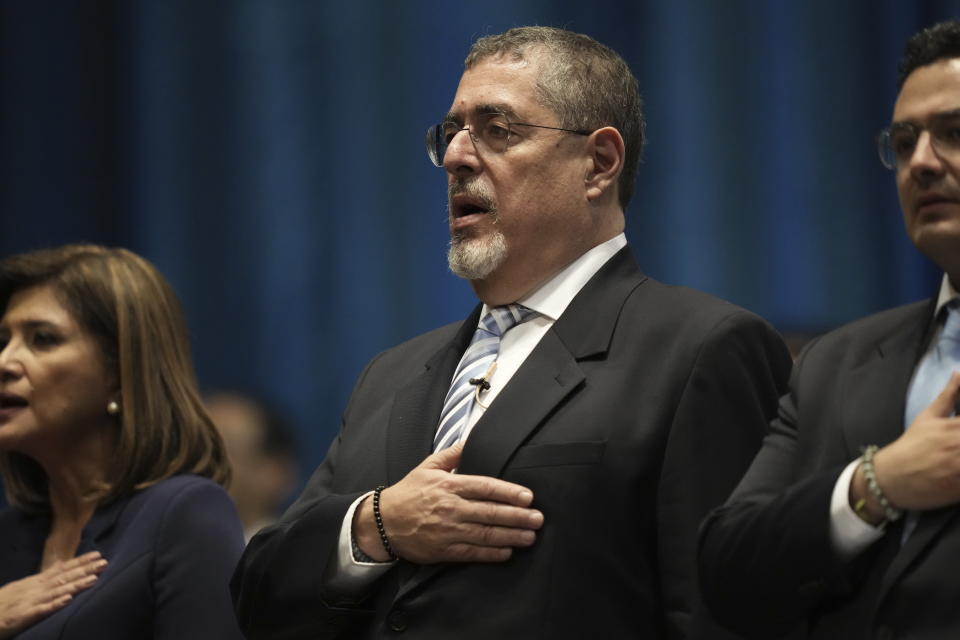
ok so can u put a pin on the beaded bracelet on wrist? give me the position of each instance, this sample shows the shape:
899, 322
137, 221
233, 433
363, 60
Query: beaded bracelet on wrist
358, 553
379, 520
890, 512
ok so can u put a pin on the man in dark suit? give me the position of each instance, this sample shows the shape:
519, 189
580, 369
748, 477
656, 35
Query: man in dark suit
546, 462
846, 524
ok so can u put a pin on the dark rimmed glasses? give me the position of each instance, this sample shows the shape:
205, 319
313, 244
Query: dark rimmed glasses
897, 143
492, 132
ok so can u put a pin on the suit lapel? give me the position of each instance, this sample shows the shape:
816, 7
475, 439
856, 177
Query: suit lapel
416, 407
930, 524
875, 393
416, 412
875, 397
548, 375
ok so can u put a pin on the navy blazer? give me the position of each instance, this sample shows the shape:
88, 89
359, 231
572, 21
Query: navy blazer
171, 549
636, 413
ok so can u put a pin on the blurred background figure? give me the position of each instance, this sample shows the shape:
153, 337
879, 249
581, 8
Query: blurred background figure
262, 453
119, 526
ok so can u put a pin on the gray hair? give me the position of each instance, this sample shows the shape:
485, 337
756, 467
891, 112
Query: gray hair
586, 84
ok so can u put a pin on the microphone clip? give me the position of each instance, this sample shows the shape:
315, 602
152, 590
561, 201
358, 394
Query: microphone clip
481, 383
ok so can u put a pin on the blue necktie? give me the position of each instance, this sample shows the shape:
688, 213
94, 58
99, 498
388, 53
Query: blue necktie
936, 366
474, 364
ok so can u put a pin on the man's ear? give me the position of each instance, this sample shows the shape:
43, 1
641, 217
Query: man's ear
606, 150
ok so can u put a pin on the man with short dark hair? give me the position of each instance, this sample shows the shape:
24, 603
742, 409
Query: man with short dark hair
846, 525
538, 471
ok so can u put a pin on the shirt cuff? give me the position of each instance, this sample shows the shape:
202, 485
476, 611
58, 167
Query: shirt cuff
350, 576
849, 534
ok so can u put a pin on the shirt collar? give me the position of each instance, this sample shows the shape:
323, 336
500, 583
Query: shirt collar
947, 293
552, 297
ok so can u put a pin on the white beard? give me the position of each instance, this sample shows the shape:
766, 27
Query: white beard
477, 258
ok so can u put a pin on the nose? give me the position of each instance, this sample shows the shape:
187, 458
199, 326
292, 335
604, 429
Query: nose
10, 367
925, 163
461, 158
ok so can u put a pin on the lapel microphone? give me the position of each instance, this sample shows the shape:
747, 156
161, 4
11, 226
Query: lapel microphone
483, 383
480, 382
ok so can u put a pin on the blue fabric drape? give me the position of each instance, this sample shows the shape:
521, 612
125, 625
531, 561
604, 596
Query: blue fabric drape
268, 156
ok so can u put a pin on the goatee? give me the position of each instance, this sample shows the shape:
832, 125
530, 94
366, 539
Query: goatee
474, 257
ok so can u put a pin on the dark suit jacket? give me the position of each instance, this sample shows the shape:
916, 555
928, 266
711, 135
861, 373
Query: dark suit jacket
171, 549
766, 559
637, 412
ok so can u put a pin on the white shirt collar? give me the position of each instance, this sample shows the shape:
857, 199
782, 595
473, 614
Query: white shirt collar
947, 293
552, 297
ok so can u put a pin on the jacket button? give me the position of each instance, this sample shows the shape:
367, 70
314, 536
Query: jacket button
397, 621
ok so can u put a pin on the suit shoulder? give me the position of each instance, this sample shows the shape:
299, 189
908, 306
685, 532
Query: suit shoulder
174, 486
185, 491
874, 328
690, 308
430, 338
420, 347
882, 322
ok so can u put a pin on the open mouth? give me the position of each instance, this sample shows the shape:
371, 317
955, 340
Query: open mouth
12, 401
469, 209
469, 199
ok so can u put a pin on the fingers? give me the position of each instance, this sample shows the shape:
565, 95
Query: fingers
86, 573
72, 587
492, 489
432, 515
46, 608
30, 614
68, 577
477, 487
487, 488
943, 405
488, 529
496, 537
446, 460
24, 602
491, 513
86, 560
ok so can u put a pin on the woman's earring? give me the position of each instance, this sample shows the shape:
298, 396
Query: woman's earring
113, 407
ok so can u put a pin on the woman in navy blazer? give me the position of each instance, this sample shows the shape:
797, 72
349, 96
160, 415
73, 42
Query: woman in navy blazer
119, 526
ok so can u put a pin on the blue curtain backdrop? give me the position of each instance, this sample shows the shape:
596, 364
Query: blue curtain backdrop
267, 155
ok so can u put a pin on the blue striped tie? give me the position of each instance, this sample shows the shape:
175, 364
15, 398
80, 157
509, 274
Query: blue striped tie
475, 362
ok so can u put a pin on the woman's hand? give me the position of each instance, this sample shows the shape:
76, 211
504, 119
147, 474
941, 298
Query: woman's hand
27, 601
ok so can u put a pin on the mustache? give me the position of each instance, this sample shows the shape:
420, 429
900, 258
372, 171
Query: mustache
473, 189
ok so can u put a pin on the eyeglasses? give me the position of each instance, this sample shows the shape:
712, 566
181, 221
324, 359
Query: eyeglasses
897, 143
492, 132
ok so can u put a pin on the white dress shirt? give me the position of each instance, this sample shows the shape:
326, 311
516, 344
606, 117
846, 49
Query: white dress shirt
848, 532
549, 300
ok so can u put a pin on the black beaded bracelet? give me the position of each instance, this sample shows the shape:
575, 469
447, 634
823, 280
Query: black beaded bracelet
379, 520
